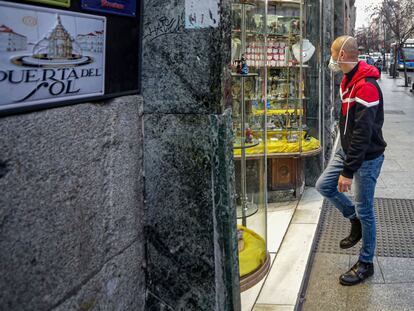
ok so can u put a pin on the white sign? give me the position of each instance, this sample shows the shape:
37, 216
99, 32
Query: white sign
48, 55
201, 14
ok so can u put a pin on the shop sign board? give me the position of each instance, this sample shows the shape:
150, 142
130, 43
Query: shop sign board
201, 14
49, 56
120, 7
64, 3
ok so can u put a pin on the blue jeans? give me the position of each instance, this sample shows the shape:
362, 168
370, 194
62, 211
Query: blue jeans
365, 180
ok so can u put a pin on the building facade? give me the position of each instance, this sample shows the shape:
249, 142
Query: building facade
91, 42
129, 203
11, 41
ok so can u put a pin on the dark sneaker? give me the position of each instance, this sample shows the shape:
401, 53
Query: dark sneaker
354, 236
358, 273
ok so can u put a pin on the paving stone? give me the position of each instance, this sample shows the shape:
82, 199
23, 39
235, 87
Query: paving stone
324, 291
381, 297
397, 270
274, 308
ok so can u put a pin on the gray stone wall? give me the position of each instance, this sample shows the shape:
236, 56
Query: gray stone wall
339, 18
190, 216
71, 208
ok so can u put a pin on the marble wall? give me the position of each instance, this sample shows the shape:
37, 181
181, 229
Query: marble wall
190, 223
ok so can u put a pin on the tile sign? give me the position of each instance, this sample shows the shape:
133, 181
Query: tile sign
120, 7
201, 14
64, 3
49, 56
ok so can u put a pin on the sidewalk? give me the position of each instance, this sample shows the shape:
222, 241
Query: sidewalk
291, 230
392, 287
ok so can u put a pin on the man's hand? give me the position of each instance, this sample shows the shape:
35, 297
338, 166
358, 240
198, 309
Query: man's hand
344, 184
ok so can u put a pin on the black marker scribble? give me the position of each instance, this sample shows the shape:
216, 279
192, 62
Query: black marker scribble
164, 26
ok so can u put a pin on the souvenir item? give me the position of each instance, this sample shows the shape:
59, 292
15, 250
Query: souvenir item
270, 126
235, 90
235, 48
249, 136
307, 50
292, 138
294, 120
278, 122
236, 20
295, 26
276, 137
240, 239
288, 120
248, 86
244, 69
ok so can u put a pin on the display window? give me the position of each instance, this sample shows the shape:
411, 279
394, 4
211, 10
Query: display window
275, 117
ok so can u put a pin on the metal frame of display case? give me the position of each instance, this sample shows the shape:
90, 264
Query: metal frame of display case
247, 209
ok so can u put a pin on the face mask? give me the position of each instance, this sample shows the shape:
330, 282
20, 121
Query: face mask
334, 64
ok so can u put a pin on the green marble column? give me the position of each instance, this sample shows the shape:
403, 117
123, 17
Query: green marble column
190, 225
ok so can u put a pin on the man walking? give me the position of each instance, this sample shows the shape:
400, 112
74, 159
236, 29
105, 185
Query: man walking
359, 160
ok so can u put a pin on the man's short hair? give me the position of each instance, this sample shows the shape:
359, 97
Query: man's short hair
350, 47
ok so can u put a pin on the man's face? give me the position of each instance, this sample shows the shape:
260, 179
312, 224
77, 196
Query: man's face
338, 57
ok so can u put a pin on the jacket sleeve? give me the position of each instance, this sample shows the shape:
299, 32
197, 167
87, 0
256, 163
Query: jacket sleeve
367, 102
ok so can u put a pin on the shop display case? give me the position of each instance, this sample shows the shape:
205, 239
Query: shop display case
291, 134
274, 113
249, 90
275, 47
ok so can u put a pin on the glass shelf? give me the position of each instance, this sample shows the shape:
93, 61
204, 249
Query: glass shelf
286, 99
249, 210
234, 74
237, 144
279, 2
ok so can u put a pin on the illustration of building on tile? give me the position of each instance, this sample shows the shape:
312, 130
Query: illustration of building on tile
92, 42
11, 41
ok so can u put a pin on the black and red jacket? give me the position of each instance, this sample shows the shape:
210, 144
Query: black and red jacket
362, 117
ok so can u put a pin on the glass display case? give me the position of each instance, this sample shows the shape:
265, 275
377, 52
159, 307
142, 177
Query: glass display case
275, 116
249, 93
292, 134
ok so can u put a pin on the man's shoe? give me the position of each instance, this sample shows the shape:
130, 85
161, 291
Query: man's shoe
358, 273
354, 236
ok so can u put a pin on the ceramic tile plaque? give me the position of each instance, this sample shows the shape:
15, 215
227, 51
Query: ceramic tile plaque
63, 3
201, 14
120, 7
49, 56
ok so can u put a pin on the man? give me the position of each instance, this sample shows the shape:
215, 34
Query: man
378, 65
359, 160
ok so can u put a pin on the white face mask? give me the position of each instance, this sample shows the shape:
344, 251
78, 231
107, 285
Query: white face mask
334, 64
